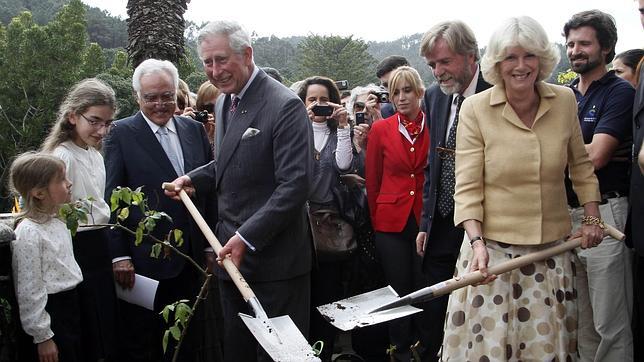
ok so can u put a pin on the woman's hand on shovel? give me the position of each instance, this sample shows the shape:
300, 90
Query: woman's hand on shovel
235, 248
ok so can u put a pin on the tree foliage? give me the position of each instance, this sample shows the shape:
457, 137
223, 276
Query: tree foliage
336, 57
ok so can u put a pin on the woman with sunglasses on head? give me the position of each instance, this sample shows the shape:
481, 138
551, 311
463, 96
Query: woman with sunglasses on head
396, 157
84, 118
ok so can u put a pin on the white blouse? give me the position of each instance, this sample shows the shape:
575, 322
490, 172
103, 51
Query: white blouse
86, 171
43, 263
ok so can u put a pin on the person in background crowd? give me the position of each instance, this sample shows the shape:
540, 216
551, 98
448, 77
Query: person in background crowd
365, 109
183, 98
383, 72
273, 73
84, 118
332, 156
605, 102
46, 276
206, 98
514, 142
635, 233
145, 150
626, 65
451, 51
264, 163
396, 156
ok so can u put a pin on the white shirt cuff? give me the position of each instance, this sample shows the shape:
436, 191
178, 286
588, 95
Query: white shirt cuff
121, 258
249, 245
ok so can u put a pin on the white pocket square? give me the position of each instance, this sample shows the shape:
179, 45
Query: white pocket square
250, 132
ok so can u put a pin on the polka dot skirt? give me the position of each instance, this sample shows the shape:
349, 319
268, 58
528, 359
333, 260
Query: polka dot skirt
528, 314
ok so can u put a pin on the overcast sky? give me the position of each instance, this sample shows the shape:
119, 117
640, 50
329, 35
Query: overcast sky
372, 20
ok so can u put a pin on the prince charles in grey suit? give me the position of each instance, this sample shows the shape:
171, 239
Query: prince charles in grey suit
261, 177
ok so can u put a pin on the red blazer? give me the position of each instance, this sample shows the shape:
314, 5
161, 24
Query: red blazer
394, 175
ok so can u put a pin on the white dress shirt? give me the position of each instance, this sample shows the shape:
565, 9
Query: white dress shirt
470, 90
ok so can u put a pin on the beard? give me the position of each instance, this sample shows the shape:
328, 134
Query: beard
588, 65
459, 80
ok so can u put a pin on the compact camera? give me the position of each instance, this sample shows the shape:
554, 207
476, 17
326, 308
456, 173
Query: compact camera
342, 85
201, 116
382, 96
322, 110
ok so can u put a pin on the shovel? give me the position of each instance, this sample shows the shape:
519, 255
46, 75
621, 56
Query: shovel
384, 304
279, 336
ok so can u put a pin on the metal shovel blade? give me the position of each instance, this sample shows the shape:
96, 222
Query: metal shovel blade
280, 338
354, 312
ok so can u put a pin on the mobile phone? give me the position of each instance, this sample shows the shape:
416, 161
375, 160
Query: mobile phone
322, 110
359, 118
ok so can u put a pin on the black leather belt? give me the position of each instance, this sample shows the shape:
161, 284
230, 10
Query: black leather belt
611, 195
605, 197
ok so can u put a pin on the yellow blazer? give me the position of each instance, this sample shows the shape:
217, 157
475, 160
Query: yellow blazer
510, 177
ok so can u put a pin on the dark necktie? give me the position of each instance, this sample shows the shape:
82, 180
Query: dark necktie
234, 104
447, 180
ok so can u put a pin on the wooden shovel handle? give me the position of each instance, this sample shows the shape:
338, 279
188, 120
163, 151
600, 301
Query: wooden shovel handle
476, 277
228, 264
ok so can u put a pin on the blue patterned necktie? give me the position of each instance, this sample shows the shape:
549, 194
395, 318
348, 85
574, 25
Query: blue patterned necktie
447, 180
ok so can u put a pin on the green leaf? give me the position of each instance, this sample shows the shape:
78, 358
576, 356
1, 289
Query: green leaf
165, 216
178, 237
115, 199
138, 236
124, 213
175, 331
150, 224
182, 313
137, 198
165, 313
126, 196
156, 250
166, 335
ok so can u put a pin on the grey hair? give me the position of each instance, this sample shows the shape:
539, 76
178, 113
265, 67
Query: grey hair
358, 91
521, 31
458, 36
152, 66
238, 37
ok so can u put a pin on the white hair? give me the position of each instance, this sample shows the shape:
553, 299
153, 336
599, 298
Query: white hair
152, 66
524, 32
358, 91
238, 37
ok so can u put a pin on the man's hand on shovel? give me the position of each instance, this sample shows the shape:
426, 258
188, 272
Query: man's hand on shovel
180, 183
235, 248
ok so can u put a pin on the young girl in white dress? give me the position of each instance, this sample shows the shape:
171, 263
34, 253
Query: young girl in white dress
44, 270
84, 118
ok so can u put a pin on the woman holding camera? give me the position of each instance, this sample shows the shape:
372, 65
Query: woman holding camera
396, 157
333, 155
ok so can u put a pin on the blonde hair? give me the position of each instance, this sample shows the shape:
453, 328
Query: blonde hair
206, 92
83, 95
31, 171
406, 74
524, 32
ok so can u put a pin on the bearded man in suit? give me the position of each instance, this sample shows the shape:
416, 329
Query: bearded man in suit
452, 53
261, 176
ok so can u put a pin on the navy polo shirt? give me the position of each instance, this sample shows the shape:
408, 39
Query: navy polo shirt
607, 107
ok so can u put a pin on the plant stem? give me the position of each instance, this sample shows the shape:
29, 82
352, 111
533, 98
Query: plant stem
204, 273
201, 296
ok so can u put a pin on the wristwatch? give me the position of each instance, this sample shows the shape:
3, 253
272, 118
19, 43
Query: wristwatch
472, 240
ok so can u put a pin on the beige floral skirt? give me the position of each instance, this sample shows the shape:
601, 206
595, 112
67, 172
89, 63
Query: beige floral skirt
528, 314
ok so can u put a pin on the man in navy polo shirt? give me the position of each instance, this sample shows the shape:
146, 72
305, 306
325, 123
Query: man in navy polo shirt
604, 281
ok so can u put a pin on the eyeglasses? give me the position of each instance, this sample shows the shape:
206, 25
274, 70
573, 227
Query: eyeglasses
358, 105
97, 124
165, 99
445, 153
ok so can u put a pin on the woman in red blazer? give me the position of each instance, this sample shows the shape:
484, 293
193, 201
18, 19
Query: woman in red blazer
396, 157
